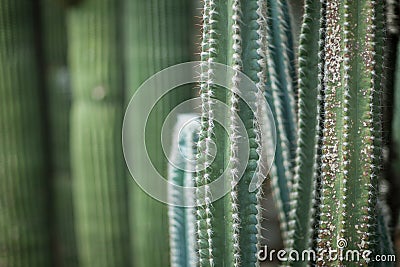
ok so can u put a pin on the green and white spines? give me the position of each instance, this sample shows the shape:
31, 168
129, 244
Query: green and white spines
237, 65
203, 212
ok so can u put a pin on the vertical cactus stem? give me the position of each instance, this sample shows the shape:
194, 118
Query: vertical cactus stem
249, 201
279, 95
181, 219
156, 35
348, 134
207, 221
97, 164
262, 149
381, 234
281, 49
303, 192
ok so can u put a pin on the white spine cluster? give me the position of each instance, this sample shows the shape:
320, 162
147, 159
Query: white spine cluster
233, 135
208, 52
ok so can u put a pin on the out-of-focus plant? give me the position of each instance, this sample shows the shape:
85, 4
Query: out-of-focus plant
24, 224
54, 53
99, 180
157, 34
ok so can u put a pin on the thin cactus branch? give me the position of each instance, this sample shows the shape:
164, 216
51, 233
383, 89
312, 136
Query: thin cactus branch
280, 97
182, 219
303, 191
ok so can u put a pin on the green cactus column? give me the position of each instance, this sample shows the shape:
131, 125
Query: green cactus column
303, 191
59, 98
24, 229
349, 145
99, 176
157, 35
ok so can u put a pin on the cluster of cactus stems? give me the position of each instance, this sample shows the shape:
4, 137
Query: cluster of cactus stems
259, 45
59, 97
346, 114
327, 164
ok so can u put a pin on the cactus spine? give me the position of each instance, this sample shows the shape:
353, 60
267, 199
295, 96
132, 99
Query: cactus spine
99, 181
24, 235
157, 35
59, 97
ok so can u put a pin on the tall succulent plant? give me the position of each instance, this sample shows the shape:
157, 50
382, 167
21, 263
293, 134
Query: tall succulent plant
24, 235
99, 180
59, 97
157, 35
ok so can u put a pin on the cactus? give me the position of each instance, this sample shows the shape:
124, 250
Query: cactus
24, 235
303, 191
350, 143
157, 35
228, 230
335, 188
99, 181
59, 97
348, 168
280, 92
181, 219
